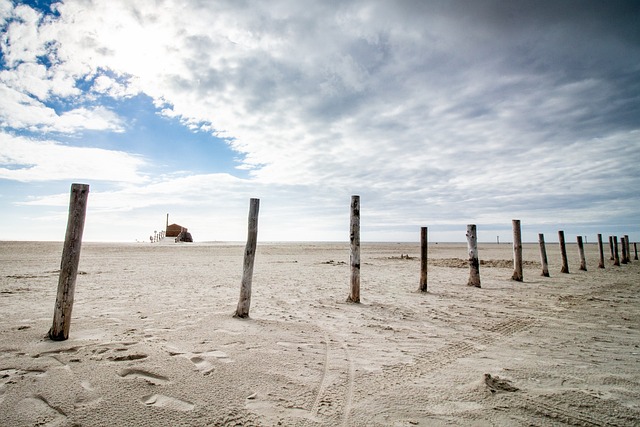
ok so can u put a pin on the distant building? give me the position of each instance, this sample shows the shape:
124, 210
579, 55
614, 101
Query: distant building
174, 230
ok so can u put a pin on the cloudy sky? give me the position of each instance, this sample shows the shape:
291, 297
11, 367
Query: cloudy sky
437, 113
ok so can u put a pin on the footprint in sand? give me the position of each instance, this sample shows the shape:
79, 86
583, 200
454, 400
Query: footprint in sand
201, 360
162, 401
87, 396
203, 365
145, 375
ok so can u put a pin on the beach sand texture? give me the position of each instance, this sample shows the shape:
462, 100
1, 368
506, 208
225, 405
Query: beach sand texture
153, 341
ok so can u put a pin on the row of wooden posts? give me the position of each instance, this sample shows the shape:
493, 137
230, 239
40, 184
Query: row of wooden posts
474, 265
75, 226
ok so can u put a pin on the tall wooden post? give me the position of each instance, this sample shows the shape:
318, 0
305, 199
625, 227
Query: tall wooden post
616, 257
563, 253
600, 251
69, 264
474, 263
517, 251
354, 257
423, 259
543, 255
583, 261
623, 246
635, 249
244, 302
611, 248
628, 245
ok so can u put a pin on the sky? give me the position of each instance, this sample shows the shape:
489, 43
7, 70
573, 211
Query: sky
436, 113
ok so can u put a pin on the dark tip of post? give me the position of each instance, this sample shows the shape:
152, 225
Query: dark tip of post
240, 316
56, 337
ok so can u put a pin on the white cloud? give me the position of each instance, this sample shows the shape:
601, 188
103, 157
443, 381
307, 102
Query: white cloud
27, 160
425, 111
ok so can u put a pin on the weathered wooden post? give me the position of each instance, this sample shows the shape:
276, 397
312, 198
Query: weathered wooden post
423, 259
616, 257
354, 257
563, 253
517, 251
583, 261
623, 246
474, 264
628, 245
611, 248
244, 303
600, 251
543, 255
635, 249
69, 264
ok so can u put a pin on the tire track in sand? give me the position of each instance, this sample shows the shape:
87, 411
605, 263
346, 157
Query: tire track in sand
334, 397
338, 385
393, 376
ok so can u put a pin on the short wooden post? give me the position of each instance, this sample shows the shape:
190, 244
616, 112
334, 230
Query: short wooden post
244, 303
635, 249
600, 251
628, 245
563, 253
517, 251
543, 255
623, 246
616, 257
423, 258
354, 256
611, 248
474, 264
583, 261
69, 264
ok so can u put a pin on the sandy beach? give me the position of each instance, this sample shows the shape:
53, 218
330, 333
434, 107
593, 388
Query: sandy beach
153, 341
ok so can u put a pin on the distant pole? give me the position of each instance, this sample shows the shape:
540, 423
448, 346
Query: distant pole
611, 248
628, 245
563, 252
474, 264
600, 251
167, 222
69, 264
423, 258
354, 257
244, 303
498, 240
583, 261
517, 251
543, 255
616, 257
623, 246
635, 248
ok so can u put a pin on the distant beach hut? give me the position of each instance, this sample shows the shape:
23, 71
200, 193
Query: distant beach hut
174, 230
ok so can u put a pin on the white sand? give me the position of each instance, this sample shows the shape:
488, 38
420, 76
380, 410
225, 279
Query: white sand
153, 341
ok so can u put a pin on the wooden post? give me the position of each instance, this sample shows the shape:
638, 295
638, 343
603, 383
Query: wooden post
517, 251
474, 264
628, 245
543, 255
635, 249
69, 264
354, 256
600, 251
583, 261
423, 259
623, 246
616, 258
611, 247
563, 252
244, 303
